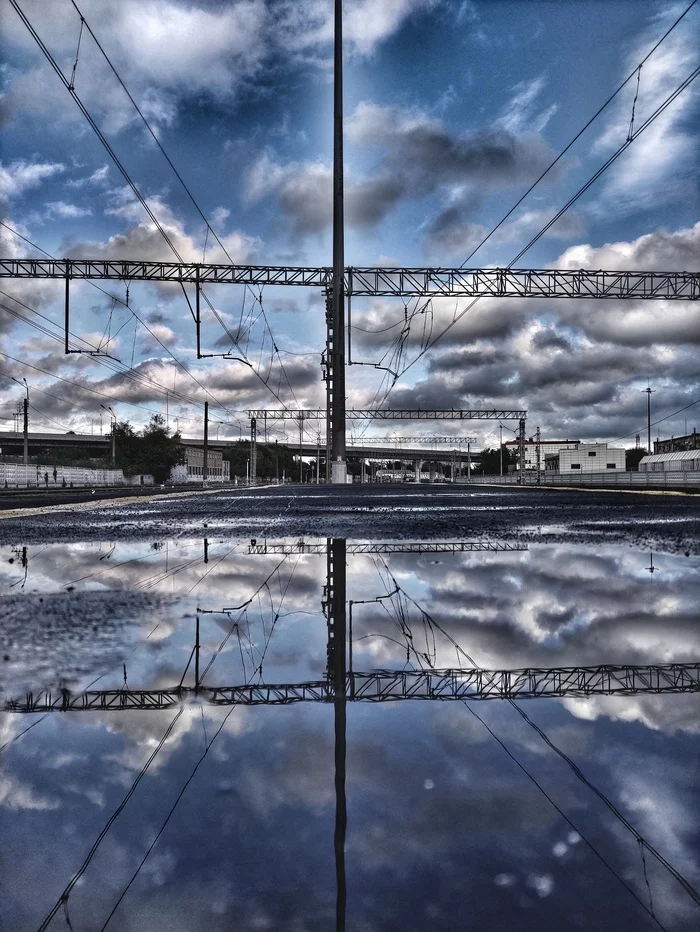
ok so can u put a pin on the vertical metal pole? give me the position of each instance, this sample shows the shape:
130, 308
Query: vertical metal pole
206, 550
338, 605
521, 449
114, 440
301, 444
196, 655
277, 464
501, 447
537, 455
25, 411
205, 460
337, 413
198, 320
469, 462
253, 475
65, 346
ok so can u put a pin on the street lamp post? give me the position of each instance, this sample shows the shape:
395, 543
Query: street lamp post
25, 412
114, 426
650, 392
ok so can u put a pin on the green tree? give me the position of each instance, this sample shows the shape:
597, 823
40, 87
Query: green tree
632, 457
490, 461
154, 451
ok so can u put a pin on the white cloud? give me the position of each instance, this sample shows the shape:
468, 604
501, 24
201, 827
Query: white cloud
660, 166
20, 176
521, 113
67, 211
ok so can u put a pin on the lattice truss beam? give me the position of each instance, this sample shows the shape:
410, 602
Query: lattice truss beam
390, 685
418, 440
429, 546
390, 414
401, 282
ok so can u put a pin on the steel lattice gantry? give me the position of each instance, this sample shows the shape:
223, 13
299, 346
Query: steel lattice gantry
428, 546
390, 685
402, 282
390, 414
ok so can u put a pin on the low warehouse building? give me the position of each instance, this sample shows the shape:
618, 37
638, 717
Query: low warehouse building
586, 457
678, 461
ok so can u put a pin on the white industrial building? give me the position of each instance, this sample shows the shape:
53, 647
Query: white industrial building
546, 447
678, 461
192, 470
586, 457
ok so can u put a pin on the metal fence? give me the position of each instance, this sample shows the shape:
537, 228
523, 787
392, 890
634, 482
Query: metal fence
17, 475
685, 479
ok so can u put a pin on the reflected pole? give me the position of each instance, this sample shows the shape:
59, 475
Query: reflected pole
337, 632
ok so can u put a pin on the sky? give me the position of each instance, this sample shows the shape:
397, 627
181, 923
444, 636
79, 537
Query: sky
452, 110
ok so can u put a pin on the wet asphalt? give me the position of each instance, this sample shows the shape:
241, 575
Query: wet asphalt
668, 523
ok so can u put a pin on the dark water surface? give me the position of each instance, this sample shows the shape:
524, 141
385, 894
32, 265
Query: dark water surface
459, 814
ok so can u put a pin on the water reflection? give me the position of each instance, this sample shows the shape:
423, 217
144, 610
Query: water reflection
446, 804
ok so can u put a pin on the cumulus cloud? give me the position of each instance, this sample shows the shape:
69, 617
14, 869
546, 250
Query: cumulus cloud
419, 155
430, 154
577, 365
20, 176
660, 167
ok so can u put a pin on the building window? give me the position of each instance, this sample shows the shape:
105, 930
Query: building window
575, 465
592, 453
611, 465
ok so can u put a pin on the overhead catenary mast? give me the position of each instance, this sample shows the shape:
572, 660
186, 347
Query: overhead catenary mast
336, 375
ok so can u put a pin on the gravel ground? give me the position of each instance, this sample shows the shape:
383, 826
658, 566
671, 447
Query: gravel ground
656, 522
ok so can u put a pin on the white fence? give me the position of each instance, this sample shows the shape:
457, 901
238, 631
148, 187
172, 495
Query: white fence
17, 475
646, 480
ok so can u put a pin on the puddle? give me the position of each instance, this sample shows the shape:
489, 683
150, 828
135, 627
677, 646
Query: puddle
210, 664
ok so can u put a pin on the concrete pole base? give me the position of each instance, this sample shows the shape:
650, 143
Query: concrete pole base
339, 473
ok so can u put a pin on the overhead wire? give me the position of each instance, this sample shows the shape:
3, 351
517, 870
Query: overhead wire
610, 161
177, 361
631, 136
636, 70
178, 175
687, 886
63, 898
520, 765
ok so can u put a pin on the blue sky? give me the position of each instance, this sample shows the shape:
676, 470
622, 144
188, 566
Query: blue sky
452, 110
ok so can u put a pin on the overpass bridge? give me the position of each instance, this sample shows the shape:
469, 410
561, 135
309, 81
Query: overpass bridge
12, 444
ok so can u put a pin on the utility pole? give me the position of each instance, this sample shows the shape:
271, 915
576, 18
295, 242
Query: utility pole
337, 360
650, 392
301, 445
205, 460
500, 426
113, 418
537, 455
25, 417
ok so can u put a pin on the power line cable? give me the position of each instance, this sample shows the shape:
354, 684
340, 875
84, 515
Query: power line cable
666, 417
625, 145
209, 227
519, 764
178, 362
63, 898
635, 71
687, 886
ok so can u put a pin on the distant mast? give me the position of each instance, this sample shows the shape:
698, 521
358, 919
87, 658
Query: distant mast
339, 467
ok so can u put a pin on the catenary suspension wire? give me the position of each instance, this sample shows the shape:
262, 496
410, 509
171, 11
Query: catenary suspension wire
522, 767
578, 135
178, 362
625, 145
209, 227
687, 886
63, 898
